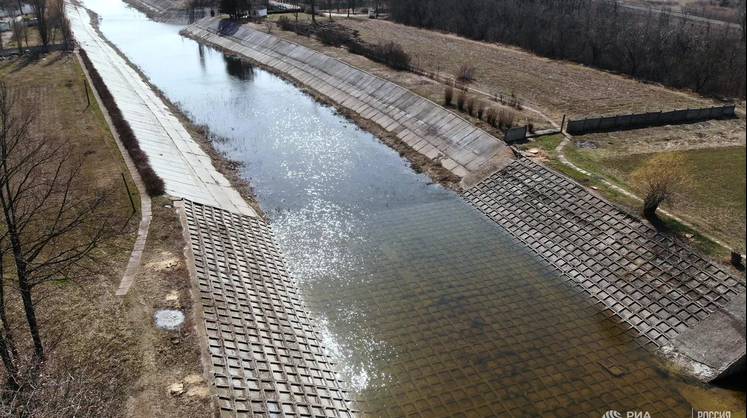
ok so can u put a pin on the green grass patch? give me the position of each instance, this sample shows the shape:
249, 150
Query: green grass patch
545, 143
714, 200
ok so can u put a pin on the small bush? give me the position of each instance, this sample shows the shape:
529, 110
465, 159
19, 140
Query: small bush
491, 117
390, 54
461, 100
153, 183
334, 36
448, 96
470, 106
466, 73
514, 102
506, 118
285, 24
299, 28
480, 109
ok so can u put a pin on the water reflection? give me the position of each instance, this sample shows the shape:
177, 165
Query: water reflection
241, 69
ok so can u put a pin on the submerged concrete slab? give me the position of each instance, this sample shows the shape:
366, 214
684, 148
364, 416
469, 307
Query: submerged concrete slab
412, 118
185, 168
676, 300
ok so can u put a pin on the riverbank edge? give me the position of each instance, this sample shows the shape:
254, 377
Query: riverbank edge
418, 161
200, 134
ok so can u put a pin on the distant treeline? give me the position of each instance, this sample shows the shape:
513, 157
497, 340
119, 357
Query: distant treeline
709, 59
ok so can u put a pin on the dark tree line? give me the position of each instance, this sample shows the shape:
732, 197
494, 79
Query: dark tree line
650, 46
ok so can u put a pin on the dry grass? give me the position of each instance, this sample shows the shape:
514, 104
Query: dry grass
555, 87
102, 349
424, 86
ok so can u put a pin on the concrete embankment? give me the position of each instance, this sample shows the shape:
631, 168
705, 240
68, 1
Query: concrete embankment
264, 354
173, 11
185, 168
689, 308
433, 131
261, 349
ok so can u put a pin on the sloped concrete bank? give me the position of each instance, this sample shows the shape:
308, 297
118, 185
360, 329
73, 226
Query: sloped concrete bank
260, 348
429, 129
185, 168
686, 307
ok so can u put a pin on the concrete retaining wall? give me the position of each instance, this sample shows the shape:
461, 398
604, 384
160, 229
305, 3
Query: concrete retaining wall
645, 120
427, 127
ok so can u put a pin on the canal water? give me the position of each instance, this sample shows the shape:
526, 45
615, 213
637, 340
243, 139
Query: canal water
428, 308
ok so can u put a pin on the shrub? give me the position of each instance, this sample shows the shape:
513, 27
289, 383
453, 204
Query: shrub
334, 36
153, 183
390, 54
395, 56
448, 96
506, 118
284, 23
514, 102
480, 109
300, 28
466, 73
491, 117
661, 178
470, 106
461, 99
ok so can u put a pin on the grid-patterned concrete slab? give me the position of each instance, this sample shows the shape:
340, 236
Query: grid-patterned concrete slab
185, 169
266, 356
653, 282
427, 127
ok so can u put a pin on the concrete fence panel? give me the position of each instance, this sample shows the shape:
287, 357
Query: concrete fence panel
645, 120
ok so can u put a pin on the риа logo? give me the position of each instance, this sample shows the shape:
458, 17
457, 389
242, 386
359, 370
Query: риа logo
628, 414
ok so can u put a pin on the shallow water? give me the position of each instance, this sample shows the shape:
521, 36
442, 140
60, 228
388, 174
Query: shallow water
429, 308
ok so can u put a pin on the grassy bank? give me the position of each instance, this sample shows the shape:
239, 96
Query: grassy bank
104, 355
714, 200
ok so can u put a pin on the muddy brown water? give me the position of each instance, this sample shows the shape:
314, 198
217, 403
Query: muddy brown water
428, 308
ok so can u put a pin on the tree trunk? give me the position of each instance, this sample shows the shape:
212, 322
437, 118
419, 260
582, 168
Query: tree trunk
650, 206
28, 307
11, 374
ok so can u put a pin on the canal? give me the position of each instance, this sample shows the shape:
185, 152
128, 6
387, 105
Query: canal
428, 308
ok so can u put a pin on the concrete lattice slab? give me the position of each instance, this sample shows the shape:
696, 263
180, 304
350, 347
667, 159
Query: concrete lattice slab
265, 355
651, 281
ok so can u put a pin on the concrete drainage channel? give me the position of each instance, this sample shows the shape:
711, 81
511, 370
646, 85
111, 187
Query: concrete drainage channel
659, 287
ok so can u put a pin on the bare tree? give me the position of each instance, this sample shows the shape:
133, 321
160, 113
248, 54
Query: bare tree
19, 33
52, 227
42, 22
660, 178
